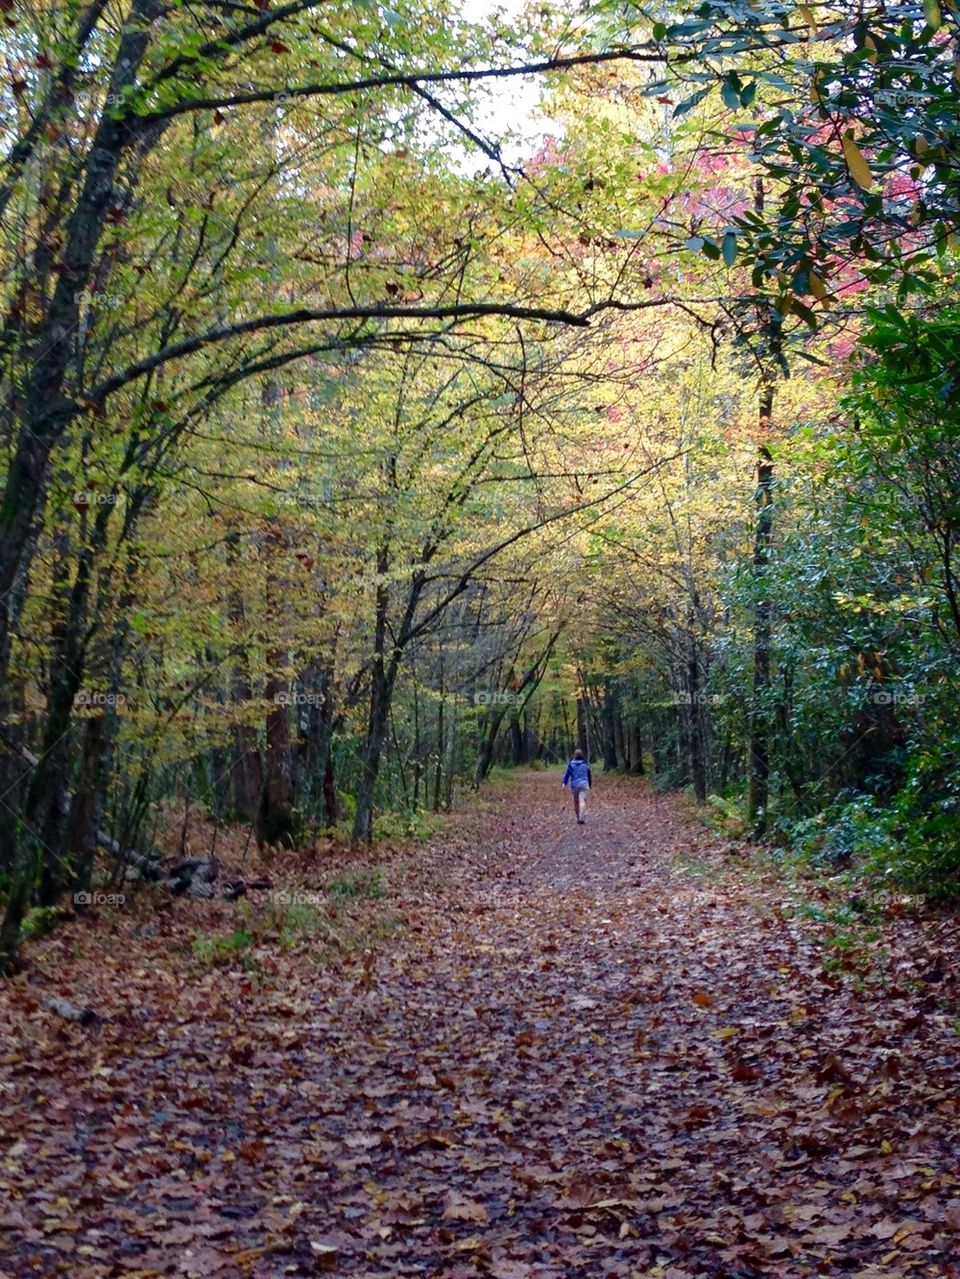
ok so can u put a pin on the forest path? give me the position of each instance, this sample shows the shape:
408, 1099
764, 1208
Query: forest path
595, 1051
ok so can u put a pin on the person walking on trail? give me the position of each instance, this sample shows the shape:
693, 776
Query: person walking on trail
579, 778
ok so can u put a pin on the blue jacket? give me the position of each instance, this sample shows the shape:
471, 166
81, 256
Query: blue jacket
578, 773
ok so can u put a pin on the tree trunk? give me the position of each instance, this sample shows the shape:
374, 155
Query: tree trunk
101, 731
438, 766
694, 718
330, 807
45, 809
491, 728
518, 750
314, 776
246, 771
441, 711
448, 756
39, 861
724, 761
326, 719
758, 795
417, 743
583, 733
275, 816
48, 411
609, 718
382, 680
759, 788
620, 742
377, 724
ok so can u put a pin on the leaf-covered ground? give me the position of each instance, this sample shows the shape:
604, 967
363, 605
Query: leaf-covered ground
606, 1051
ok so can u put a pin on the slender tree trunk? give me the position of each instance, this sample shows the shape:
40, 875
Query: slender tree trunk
695, 727
44, 811
275, 816
725, 760
378, 722
758, 796
567, 733
326, 719
89, 793
276, 822
417, 744
485, 754
401, 762
635, 740
382, 683
85, 810
381, 692
438, 766
609, 718
583, 732
759, 787
449, 755
246, 771
518, 752
620, 747
331, 808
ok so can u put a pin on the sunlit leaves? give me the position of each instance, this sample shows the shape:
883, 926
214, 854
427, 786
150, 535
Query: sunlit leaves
933, 15
859, 169
841, 120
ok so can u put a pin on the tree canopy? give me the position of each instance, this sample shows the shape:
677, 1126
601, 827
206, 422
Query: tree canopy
358, 437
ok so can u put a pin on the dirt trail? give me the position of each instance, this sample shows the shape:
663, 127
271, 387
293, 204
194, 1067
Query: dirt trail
593, 1051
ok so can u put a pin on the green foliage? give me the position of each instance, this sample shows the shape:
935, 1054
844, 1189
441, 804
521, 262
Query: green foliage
402, 826
222, 952
327, 923
925, 821
40, 921
728, 812
285, 923
852, 828
361, 883
347, 804
841, 117
850, 950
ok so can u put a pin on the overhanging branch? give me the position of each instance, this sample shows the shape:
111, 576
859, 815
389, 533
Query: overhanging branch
399, 79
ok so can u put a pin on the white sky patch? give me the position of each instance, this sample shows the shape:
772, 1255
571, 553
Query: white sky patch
507, 110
